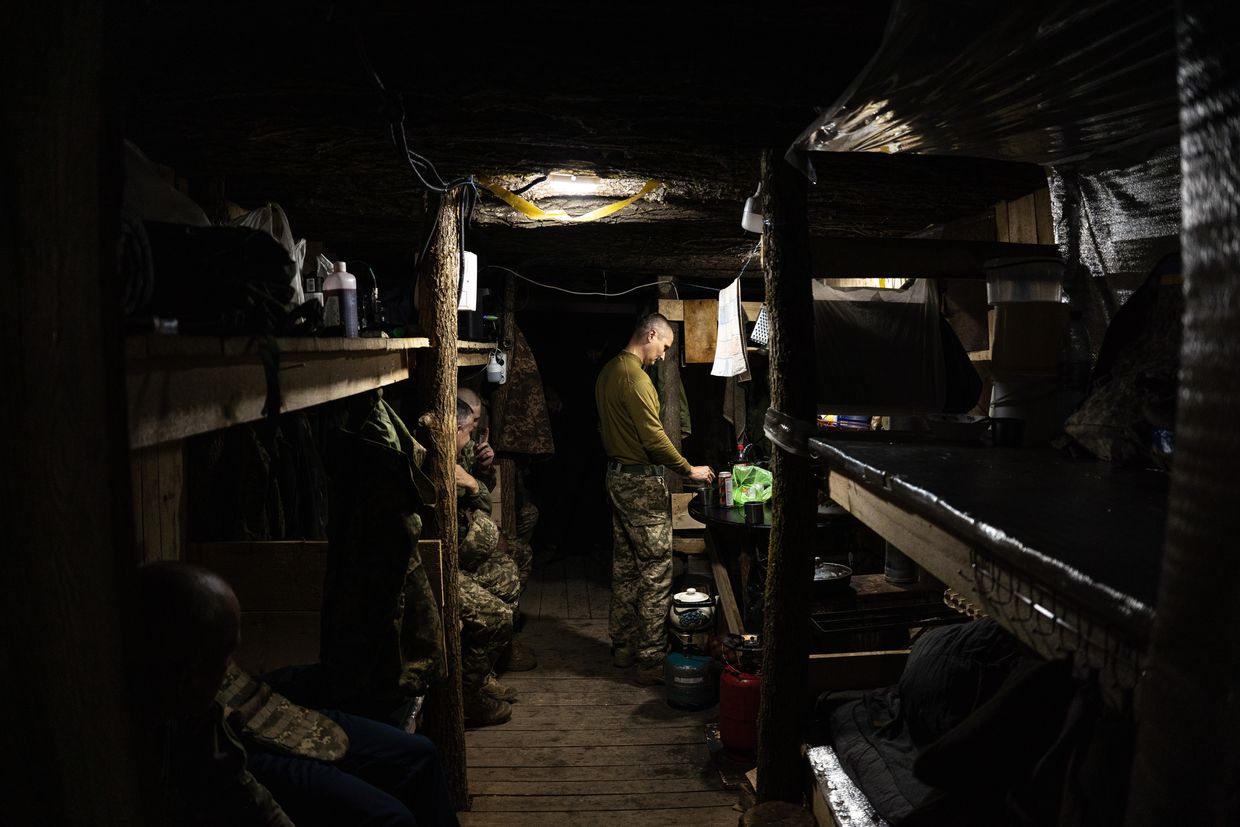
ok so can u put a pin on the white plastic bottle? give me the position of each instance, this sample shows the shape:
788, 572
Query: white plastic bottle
340, 301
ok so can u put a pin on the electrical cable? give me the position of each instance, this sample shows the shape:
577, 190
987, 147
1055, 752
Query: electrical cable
582, 292
526, 187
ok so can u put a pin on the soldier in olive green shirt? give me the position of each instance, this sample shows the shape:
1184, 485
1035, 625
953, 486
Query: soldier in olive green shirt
637, 451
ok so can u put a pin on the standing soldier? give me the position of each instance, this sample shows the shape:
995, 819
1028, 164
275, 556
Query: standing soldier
637, 450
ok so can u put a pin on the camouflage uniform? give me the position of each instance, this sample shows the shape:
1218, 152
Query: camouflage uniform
268, 720
641, 574
481, 558
519, 548
382, 634
486, 629
331, 766
521, 424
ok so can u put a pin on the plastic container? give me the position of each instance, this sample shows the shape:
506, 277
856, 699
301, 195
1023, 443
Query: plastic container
1024, 280
898, 567
1007, 432
340, 302
1033, 399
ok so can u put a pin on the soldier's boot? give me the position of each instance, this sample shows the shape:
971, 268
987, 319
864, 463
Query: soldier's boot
497, 690
649, 674
483, 710
516, 658
622, 657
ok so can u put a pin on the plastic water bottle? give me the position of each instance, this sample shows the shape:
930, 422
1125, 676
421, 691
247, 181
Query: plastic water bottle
340, 302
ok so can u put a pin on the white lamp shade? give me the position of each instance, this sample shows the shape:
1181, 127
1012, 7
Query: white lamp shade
751, 219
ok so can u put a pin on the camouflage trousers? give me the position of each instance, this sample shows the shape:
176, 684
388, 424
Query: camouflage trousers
486, 630
527, 519
522, 554
641, 568
480, 557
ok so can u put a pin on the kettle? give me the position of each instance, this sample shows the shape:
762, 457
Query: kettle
692, 610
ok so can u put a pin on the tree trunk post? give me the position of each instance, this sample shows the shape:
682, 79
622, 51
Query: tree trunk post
789, 567
436, 395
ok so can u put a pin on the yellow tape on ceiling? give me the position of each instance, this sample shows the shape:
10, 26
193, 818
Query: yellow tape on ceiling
531, 210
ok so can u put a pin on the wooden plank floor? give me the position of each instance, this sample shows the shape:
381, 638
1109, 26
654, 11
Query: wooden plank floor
586, 745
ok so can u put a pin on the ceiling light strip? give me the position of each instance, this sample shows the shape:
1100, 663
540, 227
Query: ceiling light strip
531, 210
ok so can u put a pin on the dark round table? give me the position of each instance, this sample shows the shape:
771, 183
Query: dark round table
742, 549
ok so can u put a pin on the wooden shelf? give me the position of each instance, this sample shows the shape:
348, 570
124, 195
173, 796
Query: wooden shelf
179, 386
473, 354
1064, 554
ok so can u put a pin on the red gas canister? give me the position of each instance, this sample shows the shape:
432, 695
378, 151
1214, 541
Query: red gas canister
738, 710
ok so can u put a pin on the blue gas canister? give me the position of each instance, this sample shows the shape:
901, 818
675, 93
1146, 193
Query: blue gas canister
691, 680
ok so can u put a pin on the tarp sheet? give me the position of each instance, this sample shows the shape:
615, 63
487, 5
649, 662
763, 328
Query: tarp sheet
1046, 83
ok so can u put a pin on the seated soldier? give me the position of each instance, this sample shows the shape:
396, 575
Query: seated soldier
488, 584
323, 768
474, 505
477, 457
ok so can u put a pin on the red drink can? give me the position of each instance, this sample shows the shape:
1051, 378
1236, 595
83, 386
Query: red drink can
725, 488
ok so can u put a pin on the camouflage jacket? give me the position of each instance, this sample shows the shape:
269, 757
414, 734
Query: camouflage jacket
468, 459
382, 634
268, 720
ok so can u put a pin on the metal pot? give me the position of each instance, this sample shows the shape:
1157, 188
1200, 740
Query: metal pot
692, 610
830, 578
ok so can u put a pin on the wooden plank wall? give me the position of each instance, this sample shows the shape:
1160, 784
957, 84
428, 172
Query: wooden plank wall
280, 587
157, 475
1026, 220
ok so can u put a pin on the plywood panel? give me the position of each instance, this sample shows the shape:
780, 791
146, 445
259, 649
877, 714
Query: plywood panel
701, 330
1023, 220
1042, 213
269, 576
270, 640
157, 478
1001, 222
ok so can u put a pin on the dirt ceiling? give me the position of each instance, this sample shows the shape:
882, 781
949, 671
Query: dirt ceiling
277, 102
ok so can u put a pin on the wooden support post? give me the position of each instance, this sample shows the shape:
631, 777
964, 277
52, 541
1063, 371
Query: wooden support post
435, 394
669, 375
793, 504
64, 495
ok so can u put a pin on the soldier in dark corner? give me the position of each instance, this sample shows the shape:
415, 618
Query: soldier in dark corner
234, 752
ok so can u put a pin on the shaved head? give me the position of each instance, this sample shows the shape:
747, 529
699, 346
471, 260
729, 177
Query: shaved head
471, 398
651, 321
652, 338
190, 623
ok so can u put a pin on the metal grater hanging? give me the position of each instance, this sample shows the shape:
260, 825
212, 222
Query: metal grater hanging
761, 330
